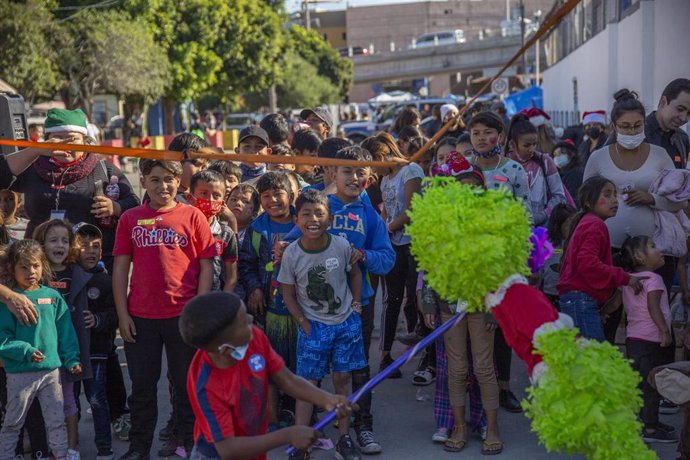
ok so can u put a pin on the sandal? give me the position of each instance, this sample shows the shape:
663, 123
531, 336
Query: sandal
492, 447
424, 378
456, 445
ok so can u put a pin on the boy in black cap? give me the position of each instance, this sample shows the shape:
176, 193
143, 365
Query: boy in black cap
253, 141
228, 382
319, 119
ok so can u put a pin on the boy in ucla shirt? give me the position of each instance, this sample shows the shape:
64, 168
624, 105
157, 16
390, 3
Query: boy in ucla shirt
170, 248
357, 221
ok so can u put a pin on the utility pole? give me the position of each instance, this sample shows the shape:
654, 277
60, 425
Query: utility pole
307, 14
307, 17
522, 35
537, 15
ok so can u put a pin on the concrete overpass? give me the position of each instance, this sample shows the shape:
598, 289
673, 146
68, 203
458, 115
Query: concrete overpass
479, 55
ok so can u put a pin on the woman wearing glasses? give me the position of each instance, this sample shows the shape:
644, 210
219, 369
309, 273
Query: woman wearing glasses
632, 165
62, 183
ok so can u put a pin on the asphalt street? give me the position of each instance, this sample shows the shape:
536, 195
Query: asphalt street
403, 418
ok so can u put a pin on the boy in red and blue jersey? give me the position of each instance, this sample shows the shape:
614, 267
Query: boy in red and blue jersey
227, 383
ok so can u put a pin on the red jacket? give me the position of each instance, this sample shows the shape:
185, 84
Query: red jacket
587, 265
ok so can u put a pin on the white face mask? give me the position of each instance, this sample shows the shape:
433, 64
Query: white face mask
237, 353
630, 142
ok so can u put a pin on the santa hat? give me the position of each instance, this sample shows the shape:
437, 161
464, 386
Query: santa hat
65, 121
524, 314
537, 116
457, 164
597, 116
445, 108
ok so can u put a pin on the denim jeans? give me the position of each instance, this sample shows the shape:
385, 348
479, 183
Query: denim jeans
95, 390
584, 311
197, 455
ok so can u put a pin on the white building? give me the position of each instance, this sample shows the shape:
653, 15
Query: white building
605, 45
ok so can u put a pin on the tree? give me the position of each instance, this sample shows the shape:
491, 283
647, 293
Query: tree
302, 86
252, 43
225, 47
26, 53
222, 48
109, 51
315, 50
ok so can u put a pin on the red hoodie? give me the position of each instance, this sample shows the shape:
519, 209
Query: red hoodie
587, 265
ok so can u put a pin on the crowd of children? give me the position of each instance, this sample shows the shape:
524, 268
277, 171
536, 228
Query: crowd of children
260, 281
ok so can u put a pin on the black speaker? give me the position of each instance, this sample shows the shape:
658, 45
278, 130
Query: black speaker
12, 120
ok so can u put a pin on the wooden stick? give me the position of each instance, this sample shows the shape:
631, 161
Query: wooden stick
548, 25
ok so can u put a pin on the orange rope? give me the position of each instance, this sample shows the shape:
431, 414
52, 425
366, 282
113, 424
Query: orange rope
206, 153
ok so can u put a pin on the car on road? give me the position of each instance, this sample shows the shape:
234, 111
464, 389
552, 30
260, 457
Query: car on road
448, 37
240, 120
353, 51
357, 131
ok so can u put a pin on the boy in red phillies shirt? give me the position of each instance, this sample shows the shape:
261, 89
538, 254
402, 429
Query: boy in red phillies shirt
170, 248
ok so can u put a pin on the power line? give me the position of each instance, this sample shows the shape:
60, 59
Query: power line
81, 9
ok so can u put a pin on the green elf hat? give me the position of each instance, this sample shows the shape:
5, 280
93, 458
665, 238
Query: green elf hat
65, 121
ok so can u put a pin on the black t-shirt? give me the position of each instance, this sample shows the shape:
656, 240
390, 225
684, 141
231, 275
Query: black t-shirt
62, 281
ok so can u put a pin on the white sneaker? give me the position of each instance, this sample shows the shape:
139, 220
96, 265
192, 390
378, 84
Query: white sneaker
440, 436
73, 455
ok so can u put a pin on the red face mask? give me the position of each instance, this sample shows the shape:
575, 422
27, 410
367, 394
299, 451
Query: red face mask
208, 207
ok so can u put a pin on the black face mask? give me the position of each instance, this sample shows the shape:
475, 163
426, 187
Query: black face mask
594, 132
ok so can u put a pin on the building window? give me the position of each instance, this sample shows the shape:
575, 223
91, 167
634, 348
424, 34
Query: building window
627, 7
344, 35
325, 37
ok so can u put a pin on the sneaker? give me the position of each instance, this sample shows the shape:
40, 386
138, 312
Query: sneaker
367, 443
509, 402
73, 455
665, 427
440, 436
409, 339
134, 455
387, 361
298, 454
168, 432
346, 450
121, 427
658, 435
169, 448
286, 418
667, 407
105, 453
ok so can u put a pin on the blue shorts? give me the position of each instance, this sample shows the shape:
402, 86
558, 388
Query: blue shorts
336, 346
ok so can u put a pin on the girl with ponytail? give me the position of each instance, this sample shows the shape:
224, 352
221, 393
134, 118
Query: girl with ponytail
588, 277
545, 186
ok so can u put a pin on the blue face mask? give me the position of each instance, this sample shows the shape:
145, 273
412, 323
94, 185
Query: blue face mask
237, 353
561, 161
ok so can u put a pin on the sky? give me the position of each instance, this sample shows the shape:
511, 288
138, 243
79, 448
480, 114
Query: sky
295, 5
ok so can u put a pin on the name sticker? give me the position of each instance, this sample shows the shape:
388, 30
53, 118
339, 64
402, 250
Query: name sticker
58, 284
45, 301
146, 221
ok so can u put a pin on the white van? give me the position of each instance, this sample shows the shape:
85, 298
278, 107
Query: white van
438, 39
